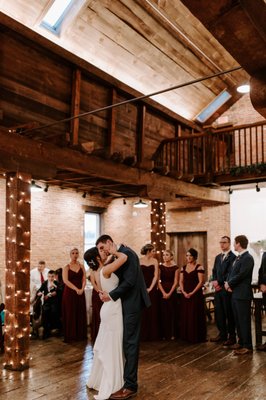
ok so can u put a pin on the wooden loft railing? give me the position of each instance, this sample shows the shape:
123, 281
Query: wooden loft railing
206, 156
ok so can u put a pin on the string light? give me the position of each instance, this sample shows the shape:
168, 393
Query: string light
17, 299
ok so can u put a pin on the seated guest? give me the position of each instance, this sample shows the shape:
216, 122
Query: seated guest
2, 307
50, 308
60, 289
262, 285
39, 274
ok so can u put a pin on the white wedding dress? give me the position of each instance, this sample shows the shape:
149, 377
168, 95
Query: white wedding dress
108, 361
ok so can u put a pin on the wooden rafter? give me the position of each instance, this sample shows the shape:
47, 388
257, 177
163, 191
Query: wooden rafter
157, 186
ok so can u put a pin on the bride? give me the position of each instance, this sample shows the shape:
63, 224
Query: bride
108, 362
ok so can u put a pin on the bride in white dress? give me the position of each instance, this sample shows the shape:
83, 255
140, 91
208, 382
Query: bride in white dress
108, 362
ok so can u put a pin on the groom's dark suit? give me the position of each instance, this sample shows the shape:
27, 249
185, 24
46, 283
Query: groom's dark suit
134, 296
239, 280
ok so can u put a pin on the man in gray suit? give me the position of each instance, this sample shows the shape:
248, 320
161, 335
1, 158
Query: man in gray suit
239, 282
134, 296
262, 285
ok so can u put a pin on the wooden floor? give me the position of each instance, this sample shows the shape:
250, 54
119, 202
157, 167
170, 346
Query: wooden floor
167, 370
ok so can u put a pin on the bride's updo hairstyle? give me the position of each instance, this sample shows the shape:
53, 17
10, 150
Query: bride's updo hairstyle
145, 249
91, 257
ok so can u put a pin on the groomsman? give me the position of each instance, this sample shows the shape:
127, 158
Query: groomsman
239, 283
224, 316
262, 285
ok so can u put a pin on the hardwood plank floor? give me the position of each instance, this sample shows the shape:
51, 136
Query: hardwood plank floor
167, 370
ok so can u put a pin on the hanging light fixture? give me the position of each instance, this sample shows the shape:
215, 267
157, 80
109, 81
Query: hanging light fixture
257, 188
140, 204
35, 188
243, 88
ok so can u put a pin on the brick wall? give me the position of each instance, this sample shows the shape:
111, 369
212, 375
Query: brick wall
242, 112
57, 225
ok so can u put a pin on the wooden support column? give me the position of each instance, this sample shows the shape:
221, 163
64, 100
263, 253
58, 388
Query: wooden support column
17, 302
75, 106
158, 227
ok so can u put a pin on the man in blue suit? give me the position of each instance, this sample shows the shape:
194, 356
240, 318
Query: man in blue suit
239, 283
224, 316
134, 296
262, 285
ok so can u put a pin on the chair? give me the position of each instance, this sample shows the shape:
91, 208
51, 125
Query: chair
209, 306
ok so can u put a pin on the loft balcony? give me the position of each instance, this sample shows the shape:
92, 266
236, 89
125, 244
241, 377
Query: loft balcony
227, 156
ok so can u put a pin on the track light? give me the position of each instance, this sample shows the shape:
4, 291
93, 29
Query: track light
124, 202
46, 188
84, 195
35, 188
140, 204
257, 188
230, 191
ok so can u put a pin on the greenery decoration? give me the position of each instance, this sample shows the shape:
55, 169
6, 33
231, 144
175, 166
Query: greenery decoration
248, 169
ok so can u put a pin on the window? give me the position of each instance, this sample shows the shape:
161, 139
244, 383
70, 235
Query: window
213, 106
55, 15
91, 229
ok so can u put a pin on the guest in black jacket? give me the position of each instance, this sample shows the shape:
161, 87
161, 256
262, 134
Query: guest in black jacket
262, 285
50, 308
224, 316
239, 283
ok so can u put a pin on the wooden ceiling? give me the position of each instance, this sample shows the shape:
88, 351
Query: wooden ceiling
148, 44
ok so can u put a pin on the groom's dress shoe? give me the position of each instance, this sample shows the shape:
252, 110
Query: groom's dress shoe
123, 394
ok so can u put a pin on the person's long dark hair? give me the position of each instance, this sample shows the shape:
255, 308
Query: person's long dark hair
91, 257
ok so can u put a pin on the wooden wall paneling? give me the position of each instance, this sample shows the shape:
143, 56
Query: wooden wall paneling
33, 77
75, 106
126, 127
112, 124
94, 127
17, 302
156, 130
140, 134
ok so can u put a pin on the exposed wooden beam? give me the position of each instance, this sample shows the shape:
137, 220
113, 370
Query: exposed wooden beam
238, 25
158, 187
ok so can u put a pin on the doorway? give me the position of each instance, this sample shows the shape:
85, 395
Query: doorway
180, 242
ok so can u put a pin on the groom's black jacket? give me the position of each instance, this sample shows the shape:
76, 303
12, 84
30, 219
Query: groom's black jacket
132, 288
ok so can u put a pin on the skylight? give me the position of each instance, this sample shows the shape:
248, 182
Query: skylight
213, 106
55, 15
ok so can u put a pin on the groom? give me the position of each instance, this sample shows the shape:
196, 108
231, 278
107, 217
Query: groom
134, 296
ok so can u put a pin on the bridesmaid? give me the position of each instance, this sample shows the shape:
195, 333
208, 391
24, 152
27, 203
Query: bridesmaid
168, 281
74, 316
192, 307
150, 269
